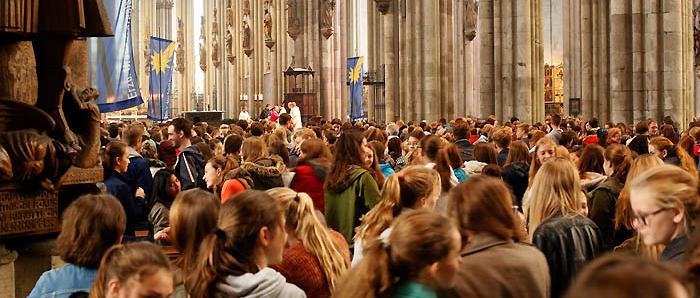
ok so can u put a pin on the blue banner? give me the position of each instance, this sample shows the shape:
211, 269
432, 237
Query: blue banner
111, 59
162, 53
356, 94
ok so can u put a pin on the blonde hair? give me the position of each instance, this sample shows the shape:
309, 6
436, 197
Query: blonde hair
535, 164
561, 151
401, 190
614, 131
253, 148
418, 239
301, 218
305, 133
281, 134
623, 212
554, 192
674, 189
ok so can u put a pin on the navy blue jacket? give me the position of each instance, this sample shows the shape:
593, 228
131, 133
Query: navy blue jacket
140, 171
189, 168
124, 190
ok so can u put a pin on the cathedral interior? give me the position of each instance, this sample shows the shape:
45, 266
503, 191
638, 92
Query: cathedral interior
620, 61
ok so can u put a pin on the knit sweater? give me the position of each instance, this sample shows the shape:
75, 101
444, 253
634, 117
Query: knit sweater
303, 269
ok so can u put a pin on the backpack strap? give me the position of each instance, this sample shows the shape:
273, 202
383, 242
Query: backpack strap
187, 166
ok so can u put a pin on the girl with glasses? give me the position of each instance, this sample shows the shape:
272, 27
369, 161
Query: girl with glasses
665, 203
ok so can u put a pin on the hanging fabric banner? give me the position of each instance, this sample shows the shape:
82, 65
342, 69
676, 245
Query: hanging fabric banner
111, 59
162, 53
356, 94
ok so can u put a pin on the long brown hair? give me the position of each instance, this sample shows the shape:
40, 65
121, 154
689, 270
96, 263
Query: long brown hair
218, 163
253, 148
230, 249
591, 160
484, 204
91, 225
434, 148
486, 153
301, 218
348, 153
518, 152
192, 217
687, 163
315, 149
454, 157
418, 239
620, 158
402, 190
127, 261
374, 168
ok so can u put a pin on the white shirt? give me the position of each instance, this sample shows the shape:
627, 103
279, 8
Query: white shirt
244, 116
296, 115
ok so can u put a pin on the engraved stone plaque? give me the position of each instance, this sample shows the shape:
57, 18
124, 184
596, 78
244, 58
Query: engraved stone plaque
28, 212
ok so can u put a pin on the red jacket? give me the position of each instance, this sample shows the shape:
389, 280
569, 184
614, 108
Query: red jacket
306, 179
590, 140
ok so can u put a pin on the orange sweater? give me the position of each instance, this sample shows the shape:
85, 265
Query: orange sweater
303, 269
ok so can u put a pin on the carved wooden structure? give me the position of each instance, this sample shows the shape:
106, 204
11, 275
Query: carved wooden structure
299, 87
52, 146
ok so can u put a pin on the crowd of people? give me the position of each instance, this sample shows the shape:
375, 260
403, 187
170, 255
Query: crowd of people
460, 208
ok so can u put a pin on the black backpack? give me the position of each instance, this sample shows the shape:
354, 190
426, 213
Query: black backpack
264, 114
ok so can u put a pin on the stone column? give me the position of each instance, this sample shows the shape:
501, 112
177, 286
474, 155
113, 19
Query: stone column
486, 33
326, 86
511, 59
7, 271
390, 73
35, 257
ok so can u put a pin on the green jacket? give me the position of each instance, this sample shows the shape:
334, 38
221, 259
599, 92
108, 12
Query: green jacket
345, 205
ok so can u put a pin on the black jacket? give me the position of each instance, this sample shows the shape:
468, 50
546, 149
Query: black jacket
466, 149
675, 251
516, 175
189, 168
568, 243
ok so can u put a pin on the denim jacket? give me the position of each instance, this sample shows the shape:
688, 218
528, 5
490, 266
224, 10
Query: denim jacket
64, 281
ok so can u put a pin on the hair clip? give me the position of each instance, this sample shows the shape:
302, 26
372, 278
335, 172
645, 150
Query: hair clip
220, 233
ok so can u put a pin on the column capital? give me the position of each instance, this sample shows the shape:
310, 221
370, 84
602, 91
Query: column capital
165, 4
383, 5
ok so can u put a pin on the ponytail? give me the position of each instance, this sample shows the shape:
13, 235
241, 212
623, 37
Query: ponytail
317, 240
402, 190
373, 274
230, 248
620, 158
442, 166
434, 148
417, 239
202, 282
687, 162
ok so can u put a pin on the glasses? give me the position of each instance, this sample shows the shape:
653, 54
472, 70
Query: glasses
642, 220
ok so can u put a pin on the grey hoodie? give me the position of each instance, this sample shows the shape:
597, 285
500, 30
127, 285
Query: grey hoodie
265, 283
